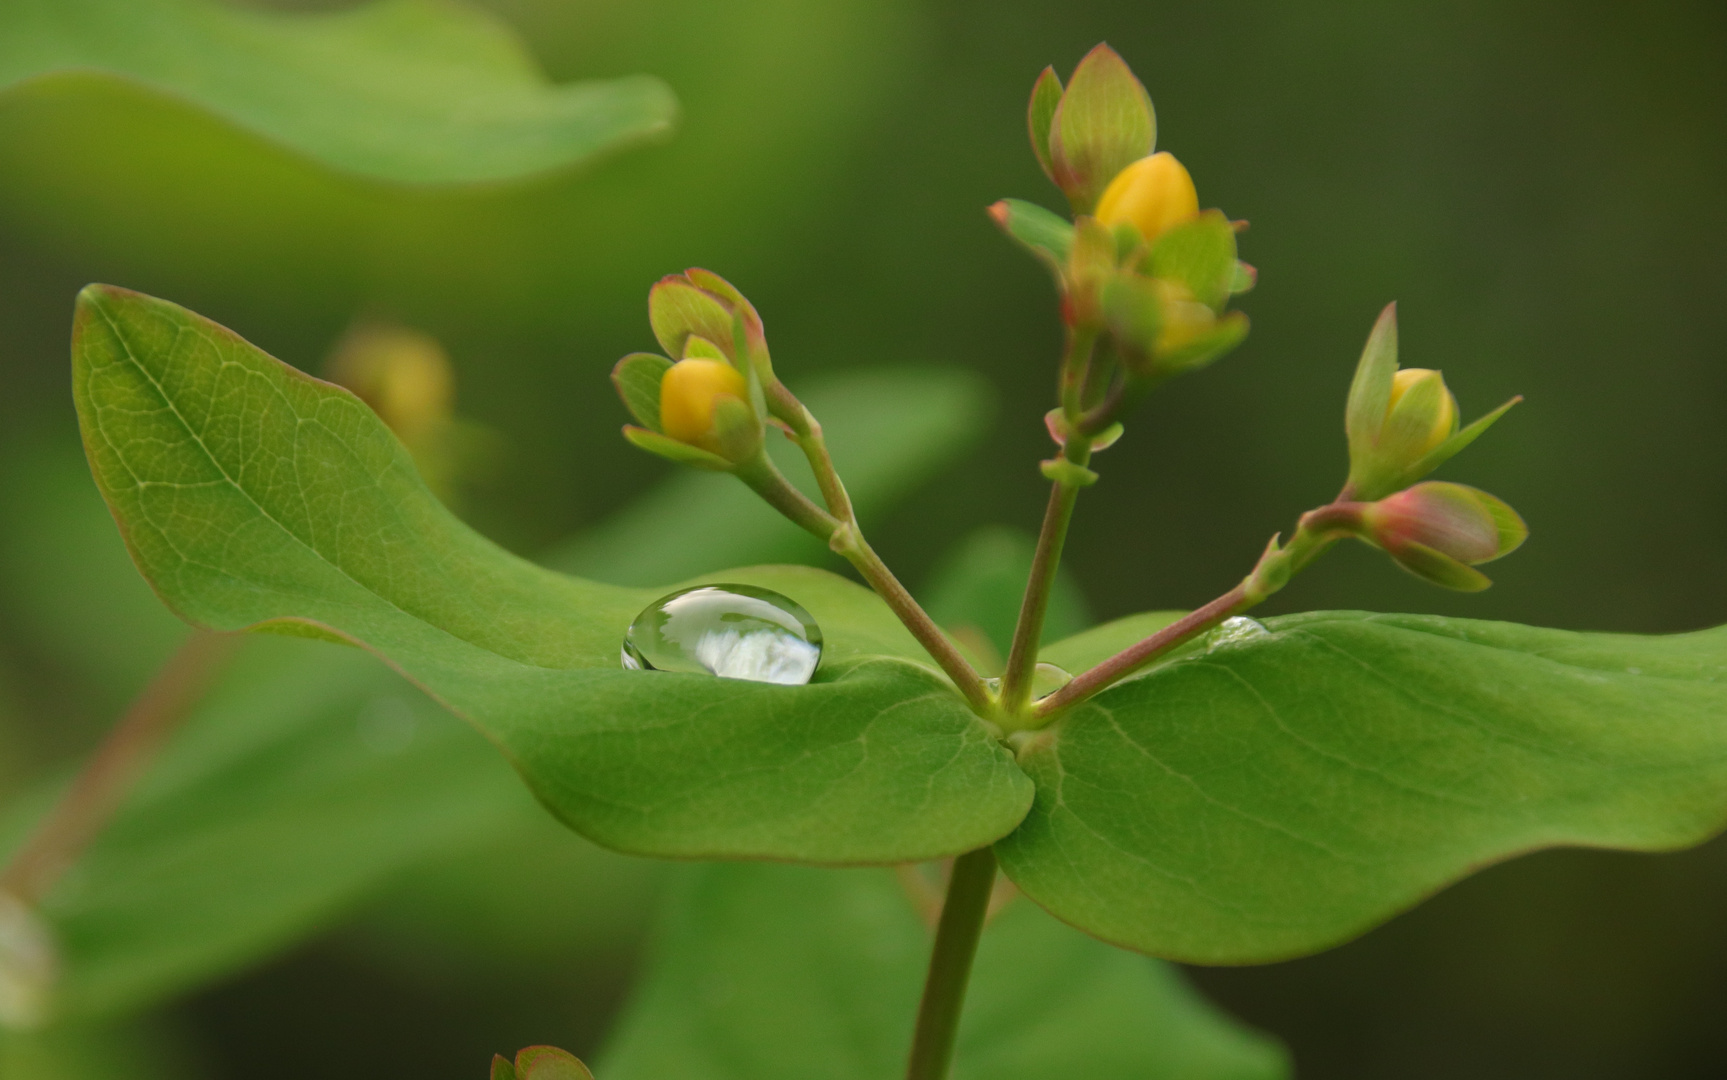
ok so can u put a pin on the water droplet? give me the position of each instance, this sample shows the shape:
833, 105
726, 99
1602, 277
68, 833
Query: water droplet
1046, 679
28, 965
733, 631
1235, 630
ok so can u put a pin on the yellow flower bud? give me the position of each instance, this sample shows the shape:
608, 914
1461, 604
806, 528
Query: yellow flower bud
1444, 420
1153, 194
687, 396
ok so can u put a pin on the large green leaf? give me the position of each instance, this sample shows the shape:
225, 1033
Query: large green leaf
765, 972
1277, 795
271, 821
411, 91
252, 495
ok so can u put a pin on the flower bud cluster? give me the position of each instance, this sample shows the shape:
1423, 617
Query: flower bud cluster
704, 403
1141, 267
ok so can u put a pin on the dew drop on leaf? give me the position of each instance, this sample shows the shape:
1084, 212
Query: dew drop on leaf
733, 631
1235, 630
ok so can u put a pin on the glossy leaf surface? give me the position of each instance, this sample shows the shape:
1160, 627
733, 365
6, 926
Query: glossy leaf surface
1276, 796
251, 494
407, 91
765, 972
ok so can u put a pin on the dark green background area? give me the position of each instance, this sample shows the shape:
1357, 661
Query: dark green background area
1539, 185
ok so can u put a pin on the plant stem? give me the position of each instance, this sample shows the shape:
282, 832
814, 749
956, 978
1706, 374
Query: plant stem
962, 919
98, 789
845, 538
1028, 630
1318, 530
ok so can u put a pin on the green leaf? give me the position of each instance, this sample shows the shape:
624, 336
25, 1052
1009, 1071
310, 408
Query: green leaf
1104, 124
980, 583
502, 1069
1448, 449
1201, 255
1282, 794
253, 495
765, 972
306, 777
637, 379
1044, 233
549, 1063
406, 91
1370, 390
1040, 115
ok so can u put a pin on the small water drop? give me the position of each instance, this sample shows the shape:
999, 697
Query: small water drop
1046, 679
1235, 630
733, 631
28, 965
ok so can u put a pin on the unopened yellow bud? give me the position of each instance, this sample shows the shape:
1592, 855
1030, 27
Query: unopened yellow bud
688, 393
1153, 194
1444, 420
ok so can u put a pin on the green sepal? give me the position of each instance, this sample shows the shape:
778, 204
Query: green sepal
1370, 390
1244, 279
1512, 528
1135, 316
673, 450
1224, 336
1448, 449
753, 342
1439, 568
738, 427
1201, 255
549, 1063
697, 347
1045, 234
637, 378
502, 1069
1040, 115
1107, 438
1104, 123
1066, 473
1408, 427
1091, 263
677, 309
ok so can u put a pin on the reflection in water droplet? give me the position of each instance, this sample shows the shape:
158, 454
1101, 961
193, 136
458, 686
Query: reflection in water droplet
1234, 631
734, 631
28, 965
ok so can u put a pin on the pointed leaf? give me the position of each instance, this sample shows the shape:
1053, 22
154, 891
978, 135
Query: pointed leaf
252, 495
677, 309
1448, 449
1104, 124
673, 450
769, 972
1370, 391
405, 91
1047, 235
502, 1069
1040, 116
1439, 568
637, 378
1284, 794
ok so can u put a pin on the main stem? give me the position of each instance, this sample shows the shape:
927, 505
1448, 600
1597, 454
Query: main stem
98, 790
962, 918
1034, 606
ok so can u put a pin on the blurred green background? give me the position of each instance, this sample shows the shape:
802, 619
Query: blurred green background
1538, 184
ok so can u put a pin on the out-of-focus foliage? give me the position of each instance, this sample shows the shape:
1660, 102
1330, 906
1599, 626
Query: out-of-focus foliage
412, 91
